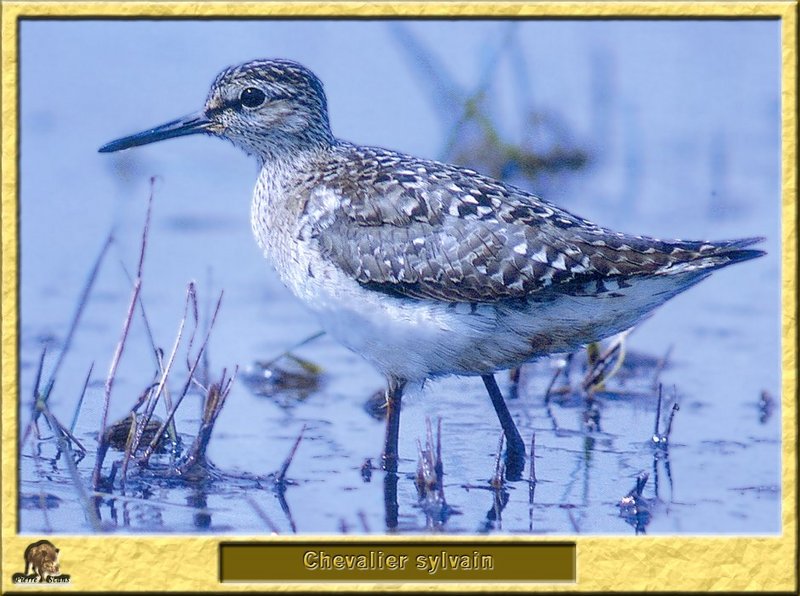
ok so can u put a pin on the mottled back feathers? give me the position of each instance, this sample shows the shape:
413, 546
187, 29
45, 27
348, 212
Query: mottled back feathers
423, 229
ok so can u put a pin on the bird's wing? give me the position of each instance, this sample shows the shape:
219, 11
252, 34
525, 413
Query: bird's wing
428, 230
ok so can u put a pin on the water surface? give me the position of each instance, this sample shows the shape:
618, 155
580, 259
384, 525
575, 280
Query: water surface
680, 122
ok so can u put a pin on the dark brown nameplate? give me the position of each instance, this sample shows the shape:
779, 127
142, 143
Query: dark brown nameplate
394, 561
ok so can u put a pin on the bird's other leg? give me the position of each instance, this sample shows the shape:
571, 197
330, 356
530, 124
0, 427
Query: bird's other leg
394, 395
515, 450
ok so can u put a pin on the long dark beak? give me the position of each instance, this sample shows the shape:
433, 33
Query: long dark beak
188, 125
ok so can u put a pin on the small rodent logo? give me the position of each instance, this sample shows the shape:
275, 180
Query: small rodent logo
41, 565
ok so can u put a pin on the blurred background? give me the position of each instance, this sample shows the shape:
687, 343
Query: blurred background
662, 128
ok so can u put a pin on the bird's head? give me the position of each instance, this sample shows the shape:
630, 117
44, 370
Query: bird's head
265, 107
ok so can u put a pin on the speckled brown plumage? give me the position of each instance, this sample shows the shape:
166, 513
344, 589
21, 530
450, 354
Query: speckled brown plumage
424, 229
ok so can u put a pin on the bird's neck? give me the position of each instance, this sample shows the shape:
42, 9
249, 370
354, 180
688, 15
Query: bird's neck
294, 148
284, 165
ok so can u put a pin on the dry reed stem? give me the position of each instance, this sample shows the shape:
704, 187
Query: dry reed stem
109, 384
158, 353
83, 495
281, 476
79, 406
37, 398
216, 396
656, 433
153, 395
84, 298
675, 408
129, 448
154, 443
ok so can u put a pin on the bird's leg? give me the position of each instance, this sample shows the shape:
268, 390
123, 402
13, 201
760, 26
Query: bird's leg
515, 450
391, 507
394, 395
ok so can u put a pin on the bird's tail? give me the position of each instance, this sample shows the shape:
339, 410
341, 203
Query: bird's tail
735, 249
708, 256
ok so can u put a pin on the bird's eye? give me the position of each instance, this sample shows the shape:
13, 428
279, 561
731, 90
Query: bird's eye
252, 97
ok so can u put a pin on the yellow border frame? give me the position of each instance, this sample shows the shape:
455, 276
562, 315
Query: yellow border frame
654, 563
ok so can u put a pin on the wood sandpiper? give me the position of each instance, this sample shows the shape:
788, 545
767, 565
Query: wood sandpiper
423, 268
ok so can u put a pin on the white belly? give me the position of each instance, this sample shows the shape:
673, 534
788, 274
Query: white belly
411, 339
417, 339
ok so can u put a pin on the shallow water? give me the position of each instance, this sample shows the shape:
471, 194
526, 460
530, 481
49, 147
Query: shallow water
680, 121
